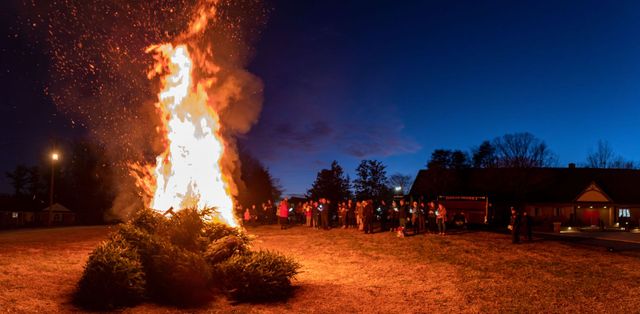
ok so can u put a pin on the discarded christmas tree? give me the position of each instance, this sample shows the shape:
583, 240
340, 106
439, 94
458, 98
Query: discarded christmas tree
184, 260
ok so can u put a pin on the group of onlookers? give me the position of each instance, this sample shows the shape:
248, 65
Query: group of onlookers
399, 216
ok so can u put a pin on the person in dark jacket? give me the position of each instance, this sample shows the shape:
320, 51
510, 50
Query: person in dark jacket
527, 224
324, 213
384, 216
403, 208
514, 226
367, 216
431, 218
415, 217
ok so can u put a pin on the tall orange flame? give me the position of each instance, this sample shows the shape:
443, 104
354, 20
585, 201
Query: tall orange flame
188, 173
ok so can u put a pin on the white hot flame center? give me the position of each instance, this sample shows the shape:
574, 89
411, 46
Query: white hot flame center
188, 174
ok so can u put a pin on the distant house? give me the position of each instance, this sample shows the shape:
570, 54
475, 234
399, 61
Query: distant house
62, 216
17, 212
23, 212
580, 196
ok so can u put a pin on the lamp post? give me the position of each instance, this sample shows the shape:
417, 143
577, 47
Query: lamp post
54, 158
398, 192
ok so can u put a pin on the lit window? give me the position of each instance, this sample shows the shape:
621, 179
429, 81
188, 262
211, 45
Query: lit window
624, 212
14, 215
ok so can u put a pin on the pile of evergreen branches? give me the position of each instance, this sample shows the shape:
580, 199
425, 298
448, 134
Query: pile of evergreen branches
184, 260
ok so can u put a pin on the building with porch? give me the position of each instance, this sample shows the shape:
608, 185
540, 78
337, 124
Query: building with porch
576, 196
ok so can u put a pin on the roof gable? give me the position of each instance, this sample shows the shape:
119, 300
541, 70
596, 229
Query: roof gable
593, 193
57, 208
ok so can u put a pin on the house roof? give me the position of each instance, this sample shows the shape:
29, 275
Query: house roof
58, 208
538, 185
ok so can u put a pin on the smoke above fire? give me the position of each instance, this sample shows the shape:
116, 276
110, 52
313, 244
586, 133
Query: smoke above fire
99, 67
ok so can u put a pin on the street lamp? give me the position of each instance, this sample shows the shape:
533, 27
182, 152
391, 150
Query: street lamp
54, 158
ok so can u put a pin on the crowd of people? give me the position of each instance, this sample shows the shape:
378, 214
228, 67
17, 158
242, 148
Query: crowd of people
398, 216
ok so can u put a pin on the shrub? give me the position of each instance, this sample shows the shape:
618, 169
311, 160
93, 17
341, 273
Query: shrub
257, 276
112, 277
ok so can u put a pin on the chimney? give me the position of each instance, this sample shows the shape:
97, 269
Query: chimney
572, 165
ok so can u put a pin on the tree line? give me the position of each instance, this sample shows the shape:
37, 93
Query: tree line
521, 150
512, 150
371, 183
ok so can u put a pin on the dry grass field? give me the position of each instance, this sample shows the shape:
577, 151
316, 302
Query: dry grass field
345, 271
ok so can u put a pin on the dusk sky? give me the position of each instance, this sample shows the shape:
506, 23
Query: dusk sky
392, 81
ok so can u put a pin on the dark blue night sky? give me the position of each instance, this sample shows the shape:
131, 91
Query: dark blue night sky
394, 80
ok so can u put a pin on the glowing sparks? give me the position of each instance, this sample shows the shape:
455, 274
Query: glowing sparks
97, 51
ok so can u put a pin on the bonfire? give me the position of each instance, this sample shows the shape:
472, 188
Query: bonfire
186, 247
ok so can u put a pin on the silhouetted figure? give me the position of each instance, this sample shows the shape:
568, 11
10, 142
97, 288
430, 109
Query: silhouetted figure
324, 213
431, 218
441, 219
384, 216
415, 217
367, 216
316, 214
527, 225
514, 226
403, 209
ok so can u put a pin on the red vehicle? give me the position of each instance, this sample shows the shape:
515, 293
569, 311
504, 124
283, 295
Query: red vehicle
463, 210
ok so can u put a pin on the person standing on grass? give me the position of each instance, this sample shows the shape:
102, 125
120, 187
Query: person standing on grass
316, 214
308, 212
384, 216
367, 216
359, 215
514, 226
441, 219
324, 213
527, 224
345, 208
351, 213
402, 215
247, 217
431, 217
264, 214
283, 213
392, 213
415, 217
422, 211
